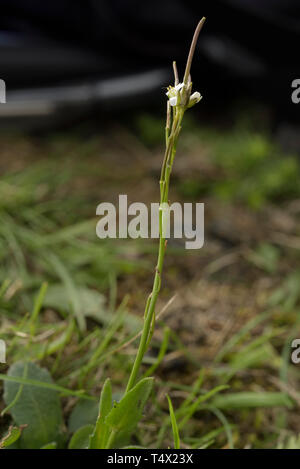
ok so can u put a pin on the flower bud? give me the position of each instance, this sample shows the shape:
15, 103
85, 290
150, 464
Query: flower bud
194, 99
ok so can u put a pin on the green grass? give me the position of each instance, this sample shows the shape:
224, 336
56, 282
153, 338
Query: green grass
64, 302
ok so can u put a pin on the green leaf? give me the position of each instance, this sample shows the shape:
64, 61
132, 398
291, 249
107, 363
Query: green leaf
70, 288
241, 400
174, 425
100, 436
194, 406
12, 436
80, 439
84, 413
44, 385
90, 302
38, 408
37, 307
58, 344
52, 445
291, 442
126, 414
266, 257
133, 447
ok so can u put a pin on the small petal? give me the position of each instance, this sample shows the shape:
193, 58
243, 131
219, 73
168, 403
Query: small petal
179, 86
173, 101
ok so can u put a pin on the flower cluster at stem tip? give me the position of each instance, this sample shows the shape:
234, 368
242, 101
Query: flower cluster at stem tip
178, 95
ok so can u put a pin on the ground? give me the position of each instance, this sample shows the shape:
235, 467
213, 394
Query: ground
227, 313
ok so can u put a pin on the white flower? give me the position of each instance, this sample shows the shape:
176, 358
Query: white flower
174, 89
172, 93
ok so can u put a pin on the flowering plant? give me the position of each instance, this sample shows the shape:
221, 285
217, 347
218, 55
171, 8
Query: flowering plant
124, 415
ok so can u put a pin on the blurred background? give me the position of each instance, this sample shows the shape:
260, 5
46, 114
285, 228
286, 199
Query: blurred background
72, 58
84, 122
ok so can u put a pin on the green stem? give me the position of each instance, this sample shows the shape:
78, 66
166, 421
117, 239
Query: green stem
164, 192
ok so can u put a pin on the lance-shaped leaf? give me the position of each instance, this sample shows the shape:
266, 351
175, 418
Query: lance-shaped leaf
81, 438
100, 436
174, 425
126, 414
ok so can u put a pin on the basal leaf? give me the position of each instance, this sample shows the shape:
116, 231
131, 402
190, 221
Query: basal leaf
38, 408
52, 445
90, 303
126, 414
84, 413
80, 439
101, 431
174, 425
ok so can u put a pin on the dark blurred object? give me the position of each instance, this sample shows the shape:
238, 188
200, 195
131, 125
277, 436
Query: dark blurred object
65, 58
